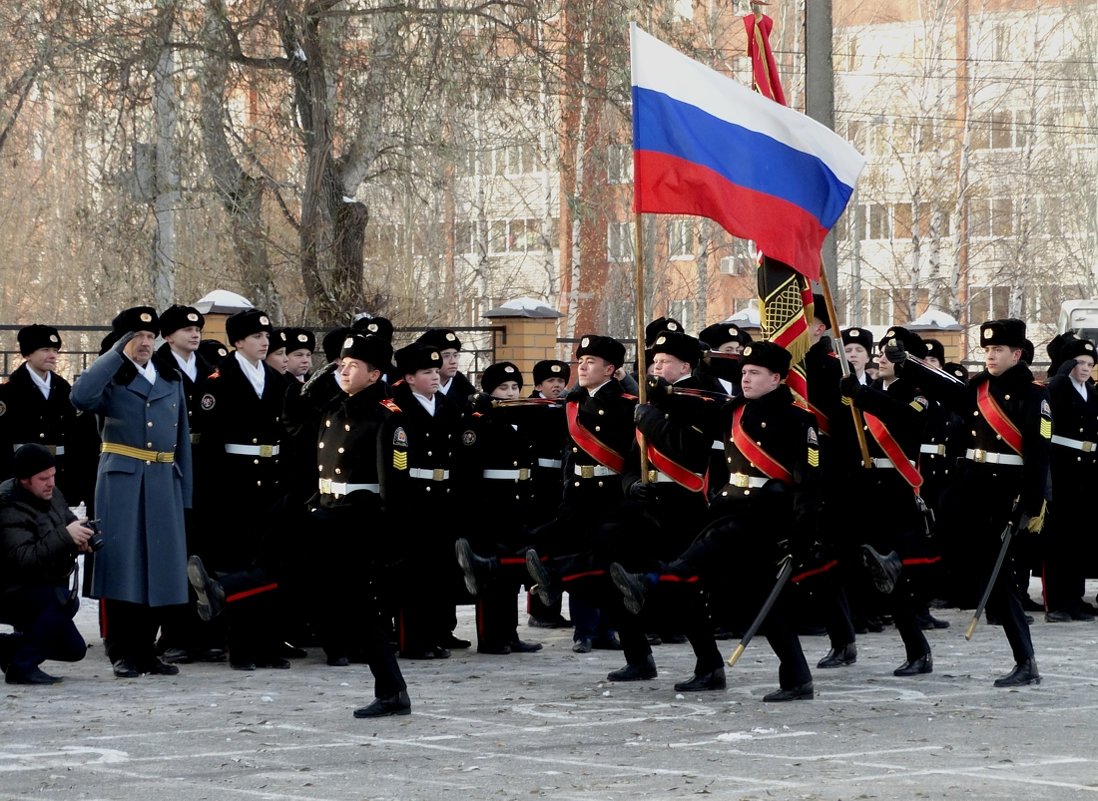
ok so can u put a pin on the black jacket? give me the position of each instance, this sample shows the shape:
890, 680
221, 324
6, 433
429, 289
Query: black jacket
35, 547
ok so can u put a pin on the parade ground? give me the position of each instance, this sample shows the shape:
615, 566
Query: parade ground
548, 725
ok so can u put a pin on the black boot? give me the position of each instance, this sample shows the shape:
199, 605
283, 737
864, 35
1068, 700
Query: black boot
885, 570
840, 657
543, 583
211, 595
632, 587
478, 570
914, 667
804, 692
398, 704
711, 680
1024, 673
635, 671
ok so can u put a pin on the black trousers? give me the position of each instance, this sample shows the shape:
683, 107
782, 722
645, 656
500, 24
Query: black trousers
129, 631
42, 617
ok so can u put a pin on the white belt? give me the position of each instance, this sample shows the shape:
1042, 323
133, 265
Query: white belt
550, 463
438, 474
718, 444
888, 463
743, 481
1078, 444
329, 487
939, 450
992, 457
56, 450
521, 474
593, 470
265, 451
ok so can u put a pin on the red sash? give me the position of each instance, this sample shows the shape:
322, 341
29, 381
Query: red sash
997, 418
598, 451
893, 451
766, 463
682, 476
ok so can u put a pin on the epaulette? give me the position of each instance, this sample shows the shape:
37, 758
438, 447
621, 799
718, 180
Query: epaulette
390, 404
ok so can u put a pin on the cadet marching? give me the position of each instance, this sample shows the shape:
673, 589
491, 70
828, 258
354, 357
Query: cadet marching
353, 507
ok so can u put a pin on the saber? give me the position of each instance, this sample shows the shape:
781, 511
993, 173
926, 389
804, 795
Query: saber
784, 572
1007, 536
498, 402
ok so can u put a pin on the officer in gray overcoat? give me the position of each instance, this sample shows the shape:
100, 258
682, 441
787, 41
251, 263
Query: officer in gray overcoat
144, 483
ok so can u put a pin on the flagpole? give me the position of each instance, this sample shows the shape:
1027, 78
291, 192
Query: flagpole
642, 376
855, 412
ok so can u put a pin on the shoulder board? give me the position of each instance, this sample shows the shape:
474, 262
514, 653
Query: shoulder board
627, 396
919, 404
390, 404
214, 374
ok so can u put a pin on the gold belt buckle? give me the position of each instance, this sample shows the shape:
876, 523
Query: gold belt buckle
165, 457
325, 486
942, 450
524, 473
979, 455
266, 451
1088, 446
439, 474
587, 471
740, 480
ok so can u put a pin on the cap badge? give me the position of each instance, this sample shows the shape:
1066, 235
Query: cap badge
263, 320
508, 369
554, 368
661, 340
192, 317
747, 351
672, 326
302, 338
585, 342
733, 331
854, 332
988, 333
434, 355
450, 336
53, 338
372, 327
146, 317
348, 342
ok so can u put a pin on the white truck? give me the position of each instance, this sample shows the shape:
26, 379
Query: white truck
1081, 315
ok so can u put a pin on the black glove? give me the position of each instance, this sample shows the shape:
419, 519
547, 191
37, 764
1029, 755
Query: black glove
848, 385
120, 345
657, 388
640, 491
480, 402
895, 353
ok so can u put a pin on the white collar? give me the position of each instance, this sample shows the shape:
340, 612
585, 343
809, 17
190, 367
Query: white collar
43, 384
1081, 388
445, 387
592, 392
256, 375
148, 370
426, 403
188, 366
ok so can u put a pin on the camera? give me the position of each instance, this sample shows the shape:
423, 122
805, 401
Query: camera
96, 541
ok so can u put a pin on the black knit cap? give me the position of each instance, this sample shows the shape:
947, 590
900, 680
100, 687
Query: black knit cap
606, 348
767, 354
136, 318
858, 336
245, 323
175, 317
496, 374
31, 459
373, 350
1009, 331
415, 357
299, 339
378, 326
660, 324
440, 339
676, 343
719, 333
912, 342
551, 368
34, 337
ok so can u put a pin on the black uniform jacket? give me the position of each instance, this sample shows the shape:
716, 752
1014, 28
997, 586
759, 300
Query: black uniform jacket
415, 452
347, 449
590, 485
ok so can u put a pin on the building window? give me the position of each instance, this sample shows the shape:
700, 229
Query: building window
619, 164
685, 311
680, 239
619, 241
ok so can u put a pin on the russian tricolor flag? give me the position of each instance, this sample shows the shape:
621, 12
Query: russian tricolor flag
705, 145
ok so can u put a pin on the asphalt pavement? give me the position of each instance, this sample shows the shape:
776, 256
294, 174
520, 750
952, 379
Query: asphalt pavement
548, 725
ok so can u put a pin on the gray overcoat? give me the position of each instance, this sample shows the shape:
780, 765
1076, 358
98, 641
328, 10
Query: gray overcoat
139, 502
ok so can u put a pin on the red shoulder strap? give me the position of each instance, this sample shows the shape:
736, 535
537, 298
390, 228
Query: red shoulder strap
998, 419
597, 450
390, 404
770, 466
893, 450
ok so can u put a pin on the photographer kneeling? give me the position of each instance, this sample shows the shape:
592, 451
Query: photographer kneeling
39, 541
